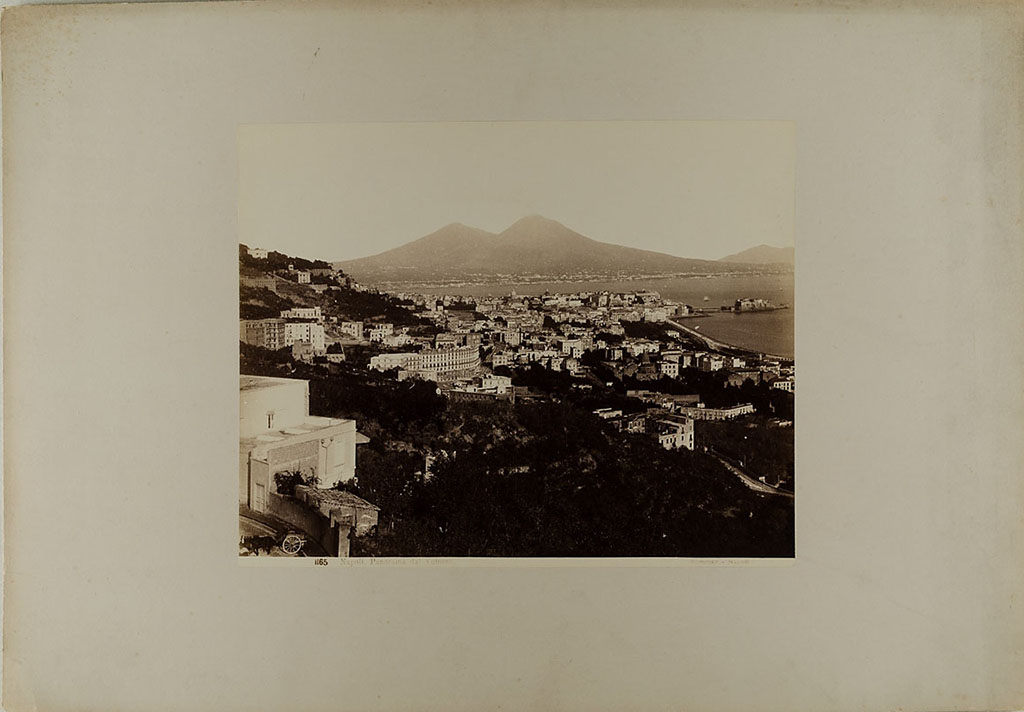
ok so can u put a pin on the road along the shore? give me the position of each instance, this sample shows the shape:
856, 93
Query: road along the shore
716, 345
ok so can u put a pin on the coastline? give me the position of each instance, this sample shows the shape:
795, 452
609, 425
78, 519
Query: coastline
749, 331
716, 344
506, 281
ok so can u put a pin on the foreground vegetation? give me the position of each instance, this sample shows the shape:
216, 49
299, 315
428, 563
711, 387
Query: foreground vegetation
529, 479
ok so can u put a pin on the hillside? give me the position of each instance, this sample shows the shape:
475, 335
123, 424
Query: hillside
343, 299
762, 254
533, 247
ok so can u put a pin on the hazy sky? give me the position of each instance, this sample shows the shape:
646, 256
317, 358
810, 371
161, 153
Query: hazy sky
701, 189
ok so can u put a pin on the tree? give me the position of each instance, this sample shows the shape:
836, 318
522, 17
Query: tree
387, 479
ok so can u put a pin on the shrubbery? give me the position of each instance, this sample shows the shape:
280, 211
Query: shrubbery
286, 482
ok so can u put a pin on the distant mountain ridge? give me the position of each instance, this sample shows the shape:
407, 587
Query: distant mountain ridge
763, 254
534, 247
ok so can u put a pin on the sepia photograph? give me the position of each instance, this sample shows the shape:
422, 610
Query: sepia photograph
521, 289
517, 339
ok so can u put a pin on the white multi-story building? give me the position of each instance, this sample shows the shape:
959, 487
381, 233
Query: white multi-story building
442, 364
302, 276
700, 412
670, 368
385, 362
783, 384
308, 331
277, 434
499, 384
445, 361
640, 347
674, 434
258, 253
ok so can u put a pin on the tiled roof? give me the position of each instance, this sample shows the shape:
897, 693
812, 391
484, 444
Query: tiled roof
335, 497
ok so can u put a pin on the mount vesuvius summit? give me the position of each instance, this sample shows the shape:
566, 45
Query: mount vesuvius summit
533, 247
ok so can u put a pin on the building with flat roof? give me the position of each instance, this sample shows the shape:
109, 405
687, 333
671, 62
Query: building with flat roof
700, 412
313, 313
669, 368
277, 434
266, 333
433, 364
783, 384
308, 331
672, 433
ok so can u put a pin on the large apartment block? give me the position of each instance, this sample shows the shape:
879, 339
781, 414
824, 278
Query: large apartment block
276, 334
266, 333
432, 364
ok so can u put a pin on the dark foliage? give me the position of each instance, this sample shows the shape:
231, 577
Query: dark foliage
760, 448
549, 480
656, 331
358, 306
261, 303
536, 377
258, 361
277, 261
286, 482
609, 338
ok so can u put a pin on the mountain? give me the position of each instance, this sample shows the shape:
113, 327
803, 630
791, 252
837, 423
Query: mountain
533, 247
762, 254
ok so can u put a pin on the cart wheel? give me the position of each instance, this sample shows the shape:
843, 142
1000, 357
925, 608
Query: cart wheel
292, 544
